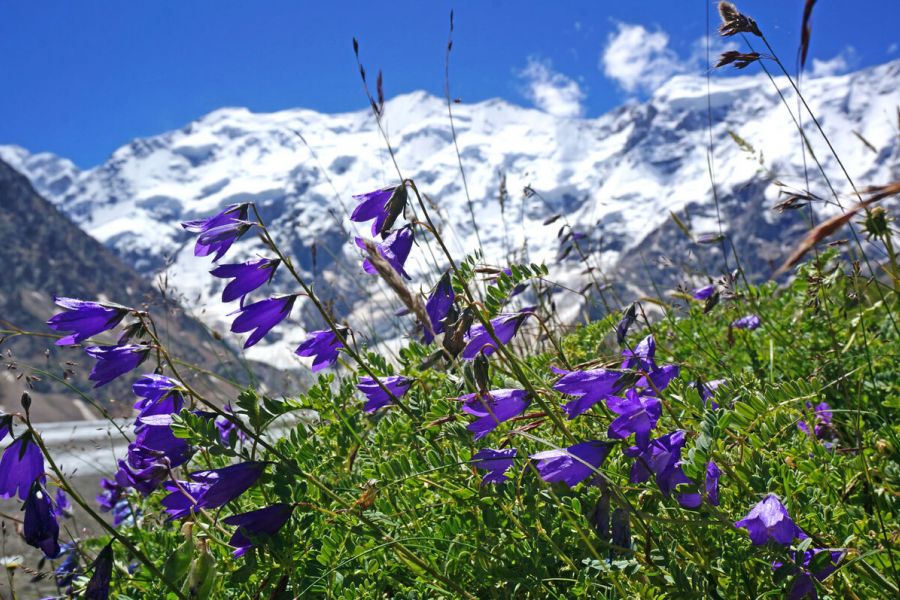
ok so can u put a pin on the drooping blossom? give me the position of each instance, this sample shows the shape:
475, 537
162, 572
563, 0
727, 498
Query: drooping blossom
495, 462
588, 387
703, 293
573, 464
708, 390
22, 464
822, 420
112, 499
438, 306
323, 345
376, 396
505, 327
642, 357
211, 489
493, 408
662, 458
394, 249
245, 277
227, 427
98, 586
85, 319
262, 316
40, 528
383, 205
154, 440
62, 508
157, 395
250, 525
68, 569
638, 414
145, 480
219, 232
628, 318
659, 379
113, 361
748, 322
694, 499
769, 521
802, 584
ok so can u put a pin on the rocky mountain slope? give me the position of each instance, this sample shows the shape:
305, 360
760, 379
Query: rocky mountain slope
617, 178
44, 254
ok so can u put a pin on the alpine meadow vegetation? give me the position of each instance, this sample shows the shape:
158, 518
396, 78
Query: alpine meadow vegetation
730, 439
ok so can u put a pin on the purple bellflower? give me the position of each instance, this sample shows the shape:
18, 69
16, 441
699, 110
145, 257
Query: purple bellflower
98, 586
703, 293
641, 358
495, 462
659, 379
493, 408
113, 361
573, 464
219, 232
662, 458
68, 569
158, 395
247, 276
748, 322
40, 528
637, 414
505, 327
694, 499
802, 585
256, 523
84, 319
438, 307
708, 390
155, 441
62, 508
394, 249
376, 396
211, 489
323, 345
227, 426
822, 415
769, 521
113, 500
22, 464
588, 387
629, 315
145, 480
377, 205
262, 316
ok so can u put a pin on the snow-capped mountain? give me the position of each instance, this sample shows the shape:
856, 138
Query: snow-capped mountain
616, 178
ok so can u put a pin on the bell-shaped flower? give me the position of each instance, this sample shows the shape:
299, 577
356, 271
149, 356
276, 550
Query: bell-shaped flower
113, 361
154, 440
323, 345
394, 249
769, 521
748, 322
262, 316
257, 523
493, 408
85, 319
438, 307
573, 464
245, 277
694, 499
62, 508
638, 414
158, 395
703, 293
383, 205
22, 464
211, 489
641, 358
145, 480
505, 327
40, 528
822, 420
662, 458
378, 397
495, 462
588, 387
802, 584
98, 586
219, 232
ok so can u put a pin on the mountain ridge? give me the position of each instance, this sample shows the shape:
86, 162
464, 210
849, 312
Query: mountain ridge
617, 176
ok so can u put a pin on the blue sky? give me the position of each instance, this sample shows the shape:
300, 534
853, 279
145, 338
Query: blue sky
82, 78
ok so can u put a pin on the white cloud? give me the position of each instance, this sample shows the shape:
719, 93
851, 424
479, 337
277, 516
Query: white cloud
552, 92
892, 48
638, 59
846, 60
